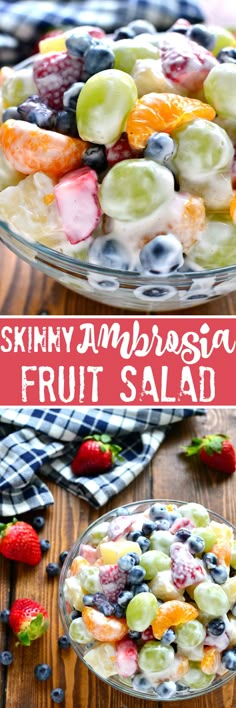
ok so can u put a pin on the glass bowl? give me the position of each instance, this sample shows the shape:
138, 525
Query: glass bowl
123, 289
125, 685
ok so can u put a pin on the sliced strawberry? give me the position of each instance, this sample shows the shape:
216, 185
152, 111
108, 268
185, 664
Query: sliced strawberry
186, 570
147, 635
88, 552
119, 526
185, 62
112, 580
184, 522
53, 74
121, 150
78, 205
126, 658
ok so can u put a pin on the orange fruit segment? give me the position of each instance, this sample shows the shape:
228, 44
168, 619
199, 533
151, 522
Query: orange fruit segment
31, 149
210, 661
170, 614
162, 112
233, 208
104, 629
76, 565
224, 545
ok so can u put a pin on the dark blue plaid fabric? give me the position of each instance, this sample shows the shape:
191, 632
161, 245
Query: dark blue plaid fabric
35, 440
22, 22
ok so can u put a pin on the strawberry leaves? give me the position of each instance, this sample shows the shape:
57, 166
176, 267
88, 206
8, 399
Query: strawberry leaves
210, 443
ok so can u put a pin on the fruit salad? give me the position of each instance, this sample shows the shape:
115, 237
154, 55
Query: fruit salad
148, 596
119, 150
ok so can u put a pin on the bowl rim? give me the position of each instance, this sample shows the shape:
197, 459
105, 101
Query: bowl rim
110, 681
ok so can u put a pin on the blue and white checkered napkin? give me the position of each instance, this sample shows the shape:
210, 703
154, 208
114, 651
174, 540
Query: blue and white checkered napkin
33, 440
26, 20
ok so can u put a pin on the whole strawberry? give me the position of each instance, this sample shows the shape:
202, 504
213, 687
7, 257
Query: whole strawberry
53, 74
28, 620
216, 451
20, 542
95, 455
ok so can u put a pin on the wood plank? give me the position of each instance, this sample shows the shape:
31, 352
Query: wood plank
169, 475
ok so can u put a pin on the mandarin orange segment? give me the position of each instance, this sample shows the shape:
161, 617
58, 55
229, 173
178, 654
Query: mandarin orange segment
170, 614
233, 208
223, 547
104, 629
210, 661
31, 149
181, 667
77, 564
162, 112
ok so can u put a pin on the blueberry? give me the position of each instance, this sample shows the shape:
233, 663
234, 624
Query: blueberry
4, 616
142, 26
37, 113
141, 683
168, 637
71, 96
64, 641
143, 587
62, 557
160, 148
57, 695
148, 527
109, 252
102, 604
154, 292
228, 659
124, 598
173, 515
233, 610
159, 511
135, 556
210, 560
123, 33
95, 157
216, 626
202, 35
6, 658
42, 672
166, 690
119, 611
136, 575
98, 58
88, 600
126, 562
77, 44
228, 54
65, 123
180, 29
144, 543
219, 574
38, 523
196, 544
183, 535
75, 614
134, 535
122, 511
132, 634
45, 545
11, 112
52, 569
163, 255
162, 524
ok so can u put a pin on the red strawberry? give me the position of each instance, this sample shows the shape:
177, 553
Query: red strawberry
112, 580
77, 201
147, 634
180, 524
95, 455
119, 527
53, 73
28, 620
186, 570
234, 170
126, 657
185, 62
20, 542
121, 150
216, 451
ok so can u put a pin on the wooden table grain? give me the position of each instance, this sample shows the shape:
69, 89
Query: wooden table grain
26, 291
169, 476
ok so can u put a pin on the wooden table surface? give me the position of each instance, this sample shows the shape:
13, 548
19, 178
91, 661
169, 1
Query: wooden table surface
27, 291
169, 476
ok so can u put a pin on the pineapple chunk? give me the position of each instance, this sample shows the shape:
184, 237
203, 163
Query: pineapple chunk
112, 550
230, 590
74, 593
102, 659
163, 588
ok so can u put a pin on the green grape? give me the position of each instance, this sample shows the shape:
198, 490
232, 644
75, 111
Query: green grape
220, 89
190, 634
153, 561
161, 541
195, 678
196, 513
89, 579
224, 38
98, 533
208, 535
233, 557
133, 189
103, 106
155, 657
127, 51
141, 611
79, 632
18, 87
217, 247
210, 598
203, 148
